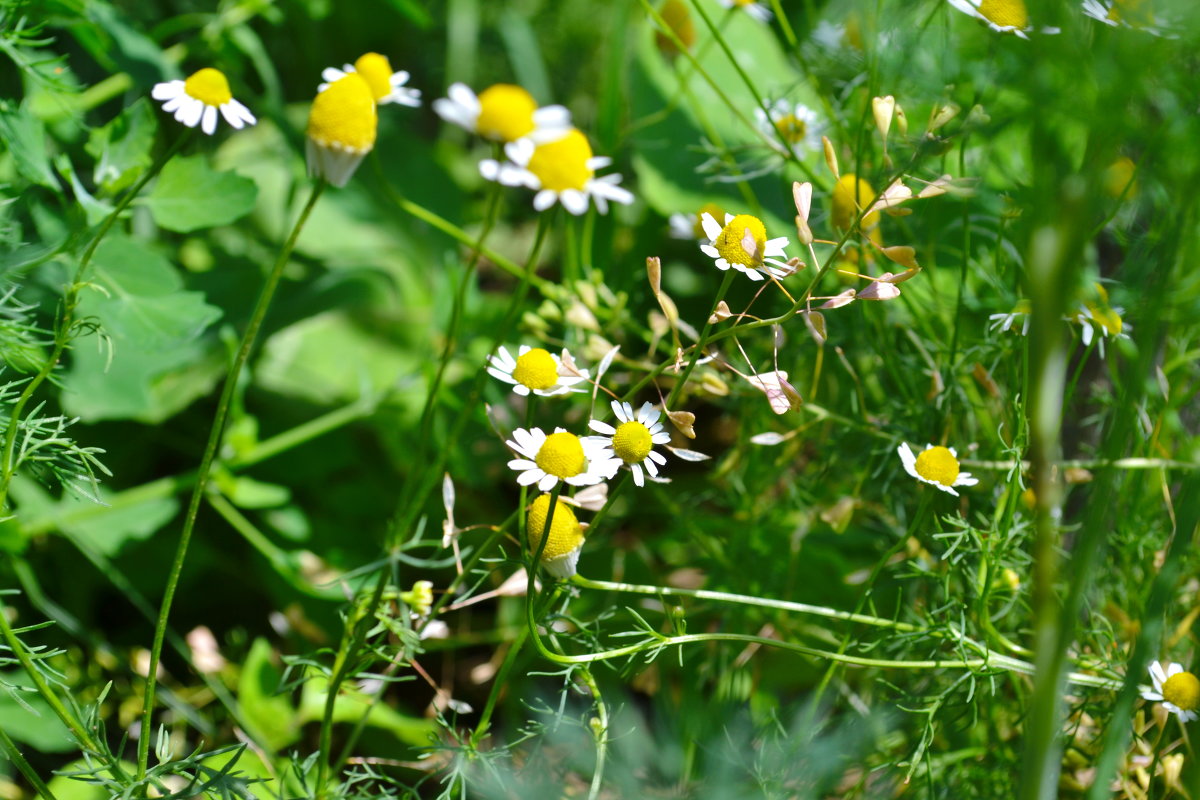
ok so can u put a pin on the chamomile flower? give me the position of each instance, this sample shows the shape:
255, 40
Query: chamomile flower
1098, 317
560, 555
1177, 690
1134, 14
561, 170
387, 86
757, 10
794, 123
742, 244
691, 226
197, 100
937, 466
1020, 314
633, 440
502, 113
560, 456
1003, 16
535, 370
341, 128
850, 195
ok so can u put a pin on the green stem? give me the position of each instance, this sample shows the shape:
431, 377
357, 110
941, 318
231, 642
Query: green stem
9, 747
206, 462
677, 389
66, 318
599, 726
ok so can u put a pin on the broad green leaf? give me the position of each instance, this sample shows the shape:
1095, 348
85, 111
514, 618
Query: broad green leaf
106, 528
30, 720
24, 136
122, 147
190, 195
114, 40
352, 704
151, 361
269, 716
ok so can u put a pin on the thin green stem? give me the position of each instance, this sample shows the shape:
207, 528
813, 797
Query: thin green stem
599, 726
677, 389
206, 462
65, 321
10, 749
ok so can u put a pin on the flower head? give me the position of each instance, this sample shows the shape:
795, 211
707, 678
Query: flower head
742, 244
851, 194
197, 100
937, 466
1177, 690
341, 129
386, 86
793, 123
755, 9
1020, 314
502, 113
560, 456
560, 554
1135, 14
1098, 317
633, 440
1004, 16
535, 370
559, 170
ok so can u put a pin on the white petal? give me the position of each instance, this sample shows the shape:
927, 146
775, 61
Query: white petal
637, 475
167, 91
190, 113
547, 482
573, 200
602, 427
531, 476
712, 228
544, 199
332, 74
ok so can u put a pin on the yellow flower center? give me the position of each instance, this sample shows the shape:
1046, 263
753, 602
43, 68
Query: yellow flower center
1005, 13
632, 442
850, 194
562, 164
565, 533
1135, 12
679, 20
561, 456
854, 34
742, 241
744, 2
1182, 690
505, 112
209, 86
343, 116
1119, 175
792, 130
939, 465
536, 370
377, 72
1103, 314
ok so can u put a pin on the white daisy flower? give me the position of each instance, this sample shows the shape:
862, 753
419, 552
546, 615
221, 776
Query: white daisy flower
562, 170
1098, 317
633, 440
1004, 16
560, 555
1133, 14
1005, 322
197, 100
743, 245
560, 456
757, 10
387, 86
503, 113
342, 125
937, 466
796, 124
535, 370
1177, 690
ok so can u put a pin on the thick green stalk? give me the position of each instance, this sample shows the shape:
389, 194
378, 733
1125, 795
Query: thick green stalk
206, 462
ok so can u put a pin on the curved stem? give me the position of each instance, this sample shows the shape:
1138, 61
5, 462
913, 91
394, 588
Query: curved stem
66, 317
210, 452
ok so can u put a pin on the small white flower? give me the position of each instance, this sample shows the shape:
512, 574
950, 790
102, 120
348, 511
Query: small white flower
794, 123
561, 170
743, 245
633, 440
1097, 316
1003, 16
1126, 14
691, 226
1176, 689
197, 100
560, 456
503, 113
757, 10
1019, 314
937, 466
535, 370
387, 86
